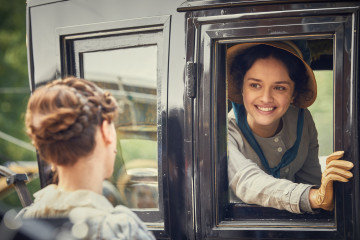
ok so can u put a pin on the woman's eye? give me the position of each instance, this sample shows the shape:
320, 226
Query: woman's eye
280, 88
254, 85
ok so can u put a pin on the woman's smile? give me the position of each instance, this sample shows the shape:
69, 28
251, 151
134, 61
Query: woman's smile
265, 109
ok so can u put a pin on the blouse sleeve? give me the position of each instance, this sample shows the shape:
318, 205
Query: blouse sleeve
130, 224
254, 186
310, 173
119, 223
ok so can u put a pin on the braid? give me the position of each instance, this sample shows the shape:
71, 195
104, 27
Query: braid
62, 117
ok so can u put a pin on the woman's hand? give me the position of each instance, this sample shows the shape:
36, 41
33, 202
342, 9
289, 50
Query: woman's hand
336, 170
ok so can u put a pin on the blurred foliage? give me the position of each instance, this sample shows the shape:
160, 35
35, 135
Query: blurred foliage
14, 83
322, 111
14, 92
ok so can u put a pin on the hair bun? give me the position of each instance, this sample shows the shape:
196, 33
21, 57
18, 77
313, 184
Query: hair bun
62, 117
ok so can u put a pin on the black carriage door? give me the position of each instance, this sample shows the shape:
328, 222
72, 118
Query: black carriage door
328, 32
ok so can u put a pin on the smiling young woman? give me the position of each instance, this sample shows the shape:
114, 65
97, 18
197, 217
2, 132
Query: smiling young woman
273, 147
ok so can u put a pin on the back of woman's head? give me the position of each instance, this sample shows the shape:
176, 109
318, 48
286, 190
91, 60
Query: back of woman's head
62, 117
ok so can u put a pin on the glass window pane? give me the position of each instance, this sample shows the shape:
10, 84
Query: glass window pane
130, 74
322, 112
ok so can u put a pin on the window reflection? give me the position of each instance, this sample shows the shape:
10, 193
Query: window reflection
130, 74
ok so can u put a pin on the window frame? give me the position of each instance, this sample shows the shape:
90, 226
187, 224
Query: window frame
212, 30
73, 42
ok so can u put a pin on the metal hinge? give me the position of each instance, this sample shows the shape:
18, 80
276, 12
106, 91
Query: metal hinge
191, 79
19, 183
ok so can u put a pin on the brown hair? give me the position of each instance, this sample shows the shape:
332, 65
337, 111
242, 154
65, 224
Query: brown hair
62, 117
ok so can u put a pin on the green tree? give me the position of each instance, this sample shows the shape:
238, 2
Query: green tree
14, 83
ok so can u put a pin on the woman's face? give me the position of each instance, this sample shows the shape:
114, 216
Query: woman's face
267, 94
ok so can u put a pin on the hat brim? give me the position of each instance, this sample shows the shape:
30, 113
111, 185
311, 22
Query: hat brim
303, 100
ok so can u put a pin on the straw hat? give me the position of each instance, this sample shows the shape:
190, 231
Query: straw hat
302, 100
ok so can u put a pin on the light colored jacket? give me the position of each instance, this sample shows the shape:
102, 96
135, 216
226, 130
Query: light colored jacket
87, 207
248, 178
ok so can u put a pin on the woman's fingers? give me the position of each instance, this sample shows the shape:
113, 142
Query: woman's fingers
343, 164
333, 177
334, 156
337, 171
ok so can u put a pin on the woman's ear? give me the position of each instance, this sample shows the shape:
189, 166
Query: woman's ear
106, 131
293, 97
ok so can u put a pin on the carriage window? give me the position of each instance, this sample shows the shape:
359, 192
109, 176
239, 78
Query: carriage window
130, 74
321, 110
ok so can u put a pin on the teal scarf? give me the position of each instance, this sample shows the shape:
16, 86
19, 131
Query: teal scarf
290, 154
